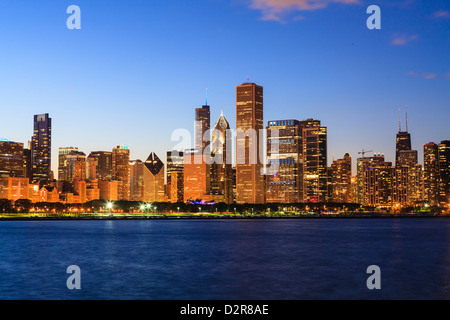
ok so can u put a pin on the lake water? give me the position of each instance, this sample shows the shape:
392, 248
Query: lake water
226, 259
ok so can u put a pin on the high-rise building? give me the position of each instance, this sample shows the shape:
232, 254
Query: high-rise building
153, 179
176, 186
221, 167
174, 163
74, 166
11, 159
136, 180
315, 177
284, 156
403, 141
444, 174
196, 176
103, 164
363, 164
41, 148
250, 182
379, 183
121, 170
342, 179
431, 173
202, 127
62, 162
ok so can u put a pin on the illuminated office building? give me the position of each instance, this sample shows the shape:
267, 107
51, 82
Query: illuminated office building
431, 173
153, 179
379, 183
341, 178
62, 162
314, 154
362, 164
444, 174
41, 148
121, 170
176, 187
11, 159
250, 185
75, 166
284, 156
221, 166
103, 164
196, 175
202, 127
403, 140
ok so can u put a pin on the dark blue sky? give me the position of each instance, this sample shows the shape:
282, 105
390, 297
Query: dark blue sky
137, 69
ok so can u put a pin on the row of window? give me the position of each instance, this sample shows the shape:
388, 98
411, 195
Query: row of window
281, 182
282, 161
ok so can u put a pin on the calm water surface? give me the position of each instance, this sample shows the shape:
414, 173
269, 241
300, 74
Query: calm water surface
226, 259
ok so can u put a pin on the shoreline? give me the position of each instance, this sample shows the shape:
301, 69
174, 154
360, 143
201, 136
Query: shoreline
221, 217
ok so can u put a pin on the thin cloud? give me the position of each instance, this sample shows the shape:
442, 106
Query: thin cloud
448, 75
276, 10
429, 75
401, 40
441, 14
424, 75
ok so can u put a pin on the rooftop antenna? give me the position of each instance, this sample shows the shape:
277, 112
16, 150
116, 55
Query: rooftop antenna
206, 97
406, 118
248, 79
399, 121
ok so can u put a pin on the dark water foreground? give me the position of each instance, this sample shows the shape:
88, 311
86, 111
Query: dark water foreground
226, 259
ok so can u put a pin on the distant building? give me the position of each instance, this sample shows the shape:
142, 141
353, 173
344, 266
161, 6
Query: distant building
108, 190
444, 173
62, 162
221, 183
342, 179
379, 183
315, 177
284, 156
250, 182
103, 164
14, 188
121, 170
431, 173
12, 159
41, 149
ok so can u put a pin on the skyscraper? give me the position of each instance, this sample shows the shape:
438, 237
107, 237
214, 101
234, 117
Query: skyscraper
41, 148
121, 170
62, 162
202, 127
444, 173
250, 186
153, 179
221, 168
284, 152
103, 164
363, 164
431, 173
403, 141
315, 177
11, 159
341, 179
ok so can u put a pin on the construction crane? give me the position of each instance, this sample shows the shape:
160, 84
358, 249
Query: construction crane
364, 152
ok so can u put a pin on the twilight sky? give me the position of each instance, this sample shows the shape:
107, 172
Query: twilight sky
137, 69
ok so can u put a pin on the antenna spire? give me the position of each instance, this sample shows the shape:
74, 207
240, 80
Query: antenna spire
206, 97
406, 118
399, 121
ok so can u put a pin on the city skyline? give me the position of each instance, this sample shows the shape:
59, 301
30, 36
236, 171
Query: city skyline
99, 78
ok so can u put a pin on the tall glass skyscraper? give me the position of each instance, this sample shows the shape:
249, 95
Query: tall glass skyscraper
250, 186
41, 144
